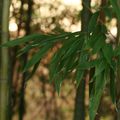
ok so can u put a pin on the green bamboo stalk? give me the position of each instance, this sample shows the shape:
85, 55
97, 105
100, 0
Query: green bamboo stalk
1, 2
4, 79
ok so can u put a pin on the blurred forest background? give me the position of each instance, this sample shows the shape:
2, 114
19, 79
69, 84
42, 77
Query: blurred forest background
36, 99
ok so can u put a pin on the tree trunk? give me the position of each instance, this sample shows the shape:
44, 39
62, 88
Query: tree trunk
4, 59
79, 113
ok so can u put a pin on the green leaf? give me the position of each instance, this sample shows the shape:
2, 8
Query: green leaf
93, 63
73, 47
37, 57
116, 7
33, 71
22, 40
38, 37
89, 64
79, 71
55, 61
93, 38
25, 49
96, 95
99, 43
60, 59
79, 76
112, 86
108, 12
100, 66
71, 63
60, 37
45, 42
108, 53
93, 22
58, 81
117, 51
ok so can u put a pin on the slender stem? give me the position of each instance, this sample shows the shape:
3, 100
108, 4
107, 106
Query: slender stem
4, 78
22, 90
80, 93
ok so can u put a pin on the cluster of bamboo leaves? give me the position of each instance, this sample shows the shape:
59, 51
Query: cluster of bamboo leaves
76, 54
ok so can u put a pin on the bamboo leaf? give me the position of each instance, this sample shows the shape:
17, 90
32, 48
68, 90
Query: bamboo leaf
22, 40
99, 68
108, 53
79, 76
116, 7
108, 12
25, 49
93, 38
117, 51
93, 22
33, 71
35, 58
79, 71
112, 86
58, 82
55, 62
38, 37
99, 43
96, 96
60, 58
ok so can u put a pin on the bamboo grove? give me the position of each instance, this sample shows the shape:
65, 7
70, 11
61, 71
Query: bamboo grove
81, 52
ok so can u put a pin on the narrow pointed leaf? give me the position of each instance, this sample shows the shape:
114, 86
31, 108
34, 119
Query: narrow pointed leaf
93, 21
99, 68
37, 57
99, 43
33, 71
108, 53
116, 7
22, 40
96, 96
112, 86
79, 71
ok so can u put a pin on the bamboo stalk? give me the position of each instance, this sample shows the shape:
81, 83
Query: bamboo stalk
4, 79
79, 112
22, 90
